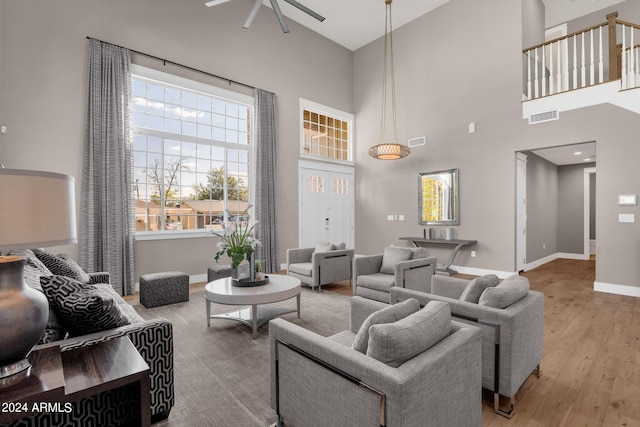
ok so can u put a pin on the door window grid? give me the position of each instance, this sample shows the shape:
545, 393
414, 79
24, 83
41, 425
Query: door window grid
315, 184
325, 136
340, 185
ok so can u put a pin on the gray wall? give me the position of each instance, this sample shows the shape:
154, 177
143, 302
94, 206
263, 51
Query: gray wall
571, 208
592, 206
542, 208
441, 87
43, 74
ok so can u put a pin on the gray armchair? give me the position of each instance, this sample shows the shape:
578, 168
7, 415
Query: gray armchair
512, 337
316, 268
318, 381
375, 275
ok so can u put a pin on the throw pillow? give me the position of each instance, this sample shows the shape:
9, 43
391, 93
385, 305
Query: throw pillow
416, 252
338, 246
395, 343
476, 287
393, 255
324, 247
63, 265
81, 308
390, 314
510, 291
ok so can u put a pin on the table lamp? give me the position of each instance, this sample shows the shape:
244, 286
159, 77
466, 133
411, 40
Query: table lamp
37, 210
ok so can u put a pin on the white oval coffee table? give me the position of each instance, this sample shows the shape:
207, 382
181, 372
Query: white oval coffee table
279, 288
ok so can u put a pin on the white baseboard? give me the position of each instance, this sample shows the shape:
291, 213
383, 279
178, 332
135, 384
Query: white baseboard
198, 278
611, 288
565, 255
482, 271
539, 262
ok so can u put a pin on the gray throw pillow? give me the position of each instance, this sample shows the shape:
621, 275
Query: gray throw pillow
324, 247
338, 246
510, 291
476, 287
395, 343
393, 255
81, 308
390, 314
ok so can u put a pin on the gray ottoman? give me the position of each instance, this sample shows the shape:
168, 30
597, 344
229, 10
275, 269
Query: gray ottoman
158, 289
218, 272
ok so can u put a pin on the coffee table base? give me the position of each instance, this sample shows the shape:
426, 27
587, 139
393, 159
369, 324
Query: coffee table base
253, 316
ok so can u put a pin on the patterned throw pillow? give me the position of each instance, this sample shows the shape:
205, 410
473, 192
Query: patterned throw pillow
81, 308
63, 265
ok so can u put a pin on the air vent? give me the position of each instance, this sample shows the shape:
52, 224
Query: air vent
543, 117
416, 142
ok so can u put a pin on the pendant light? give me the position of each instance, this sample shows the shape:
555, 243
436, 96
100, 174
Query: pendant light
388, 150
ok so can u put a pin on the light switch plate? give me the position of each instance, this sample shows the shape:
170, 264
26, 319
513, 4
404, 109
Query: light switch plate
626, 218
627, 200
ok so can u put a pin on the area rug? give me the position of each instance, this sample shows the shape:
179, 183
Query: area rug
221, 373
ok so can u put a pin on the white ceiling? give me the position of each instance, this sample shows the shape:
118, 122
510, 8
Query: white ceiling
569, 154
341, 15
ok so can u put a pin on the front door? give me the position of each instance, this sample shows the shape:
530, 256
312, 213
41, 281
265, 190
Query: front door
326, 205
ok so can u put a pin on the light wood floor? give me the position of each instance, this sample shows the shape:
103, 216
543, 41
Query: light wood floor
591, 364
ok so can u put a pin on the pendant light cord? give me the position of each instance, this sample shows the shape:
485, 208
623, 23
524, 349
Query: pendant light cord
388, 73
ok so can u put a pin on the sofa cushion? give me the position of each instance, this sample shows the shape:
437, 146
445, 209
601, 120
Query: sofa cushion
304, 268
390, 314
476, 287
511, 290
338, 246
393, 255
377, 281
324, 247
82, 308
395, 343
63, 265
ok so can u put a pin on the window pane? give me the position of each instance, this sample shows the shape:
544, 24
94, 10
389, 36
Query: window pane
232, 110
204, 151
189, 99
217, 153
188, 149
139, 88
172, 95
155, 122
188, 128
204, 103
155, 92
204, 131
173, 111
154, 145
217, 134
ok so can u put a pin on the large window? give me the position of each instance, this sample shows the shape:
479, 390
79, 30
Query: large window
191, 153
325, 132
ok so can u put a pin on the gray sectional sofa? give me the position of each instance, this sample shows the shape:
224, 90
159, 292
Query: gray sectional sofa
152, 338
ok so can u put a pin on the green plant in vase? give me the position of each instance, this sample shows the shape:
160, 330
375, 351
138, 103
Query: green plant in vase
237, 241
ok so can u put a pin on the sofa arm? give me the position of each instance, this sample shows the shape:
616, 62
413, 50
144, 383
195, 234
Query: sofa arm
360, 309
298, 255
450, 287
154, 341
415, 273
99, 277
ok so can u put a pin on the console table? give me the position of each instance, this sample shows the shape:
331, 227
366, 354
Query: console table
444, 268
58, 381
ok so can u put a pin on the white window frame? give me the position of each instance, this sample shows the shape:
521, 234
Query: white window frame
171, 79
306, 104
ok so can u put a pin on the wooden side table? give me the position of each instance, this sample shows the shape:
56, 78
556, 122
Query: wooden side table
60, 378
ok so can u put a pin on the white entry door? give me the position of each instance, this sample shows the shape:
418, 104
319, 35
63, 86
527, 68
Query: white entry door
326, 204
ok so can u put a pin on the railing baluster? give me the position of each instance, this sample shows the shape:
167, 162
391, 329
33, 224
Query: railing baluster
551, 82
535, 80
600, 63
582, 65
566, 65
575, 63
591, 60
544, 72
623, 76
529, 74
632, 71
560, 48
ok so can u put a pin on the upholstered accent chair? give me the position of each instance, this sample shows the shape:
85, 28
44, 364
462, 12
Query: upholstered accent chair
419, 370
326, 263
375, 275
511, 317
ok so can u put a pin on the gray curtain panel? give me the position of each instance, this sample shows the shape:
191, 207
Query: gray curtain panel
107, 217
265, 180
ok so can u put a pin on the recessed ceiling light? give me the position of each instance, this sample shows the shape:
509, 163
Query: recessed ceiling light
577, 153
587, 160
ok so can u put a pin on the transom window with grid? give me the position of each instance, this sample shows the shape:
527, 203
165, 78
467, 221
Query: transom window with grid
190, 155
326, 135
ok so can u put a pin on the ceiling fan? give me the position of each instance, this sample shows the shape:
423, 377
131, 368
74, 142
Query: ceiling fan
276, 9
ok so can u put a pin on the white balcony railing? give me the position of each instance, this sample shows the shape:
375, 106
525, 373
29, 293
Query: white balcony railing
585, 58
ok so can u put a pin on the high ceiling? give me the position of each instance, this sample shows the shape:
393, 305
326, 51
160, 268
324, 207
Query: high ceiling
369, 15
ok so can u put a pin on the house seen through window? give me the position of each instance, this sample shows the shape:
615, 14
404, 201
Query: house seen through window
190, 154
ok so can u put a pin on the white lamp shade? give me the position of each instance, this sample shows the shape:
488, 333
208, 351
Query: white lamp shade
38, 209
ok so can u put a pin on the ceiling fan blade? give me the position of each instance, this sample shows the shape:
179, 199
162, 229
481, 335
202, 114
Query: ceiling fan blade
215, 2
276, 9
305, 9
254, 11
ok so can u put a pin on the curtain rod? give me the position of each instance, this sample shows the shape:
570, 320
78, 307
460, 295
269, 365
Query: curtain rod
166, 61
